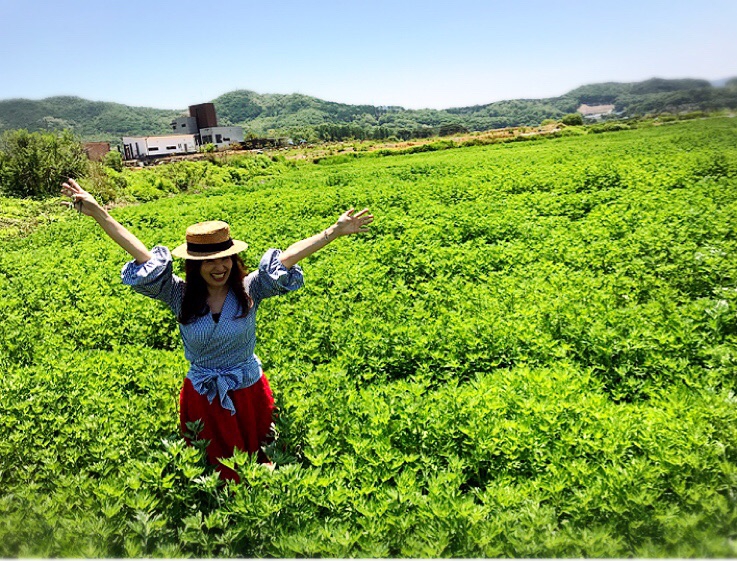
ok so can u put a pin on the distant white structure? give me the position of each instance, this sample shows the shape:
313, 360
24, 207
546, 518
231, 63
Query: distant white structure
136, 147
199, 128
595, 111
221, 137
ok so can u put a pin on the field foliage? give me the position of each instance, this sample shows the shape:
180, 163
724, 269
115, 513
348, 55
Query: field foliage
531, 354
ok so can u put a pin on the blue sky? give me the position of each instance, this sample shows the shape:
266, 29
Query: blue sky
410, 53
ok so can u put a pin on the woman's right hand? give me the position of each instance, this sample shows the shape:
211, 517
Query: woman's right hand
86, 204
82, 201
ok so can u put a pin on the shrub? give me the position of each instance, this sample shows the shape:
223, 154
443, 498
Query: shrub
101, 185
113, 160
692, 115
572, 119
610, 127
666, 117
451, 129
34, 164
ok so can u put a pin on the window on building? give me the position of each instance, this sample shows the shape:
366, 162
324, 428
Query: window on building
153, 148
206, 138
218, 138
226, 139
171, 147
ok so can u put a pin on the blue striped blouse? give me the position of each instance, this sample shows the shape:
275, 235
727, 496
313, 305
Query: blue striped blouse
221, 354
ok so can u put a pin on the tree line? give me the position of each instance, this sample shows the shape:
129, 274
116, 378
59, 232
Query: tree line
303, 117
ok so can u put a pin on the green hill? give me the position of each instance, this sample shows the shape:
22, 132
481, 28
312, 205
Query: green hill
92, 120
309, 117
269, 112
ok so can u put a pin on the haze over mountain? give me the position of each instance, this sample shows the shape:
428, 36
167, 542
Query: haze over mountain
310, 117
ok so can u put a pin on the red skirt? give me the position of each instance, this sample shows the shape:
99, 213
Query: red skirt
247, 430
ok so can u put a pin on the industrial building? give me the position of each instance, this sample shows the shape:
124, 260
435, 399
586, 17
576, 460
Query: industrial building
199, 128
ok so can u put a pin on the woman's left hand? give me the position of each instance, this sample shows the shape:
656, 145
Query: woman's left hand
350, 223
347, 224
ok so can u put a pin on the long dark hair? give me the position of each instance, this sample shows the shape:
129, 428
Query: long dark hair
194, 304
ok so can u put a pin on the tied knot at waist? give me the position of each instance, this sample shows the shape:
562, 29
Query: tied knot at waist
217, 382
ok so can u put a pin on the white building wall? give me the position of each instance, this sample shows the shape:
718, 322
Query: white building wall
141, 146
173, 144
221, 137
134, 147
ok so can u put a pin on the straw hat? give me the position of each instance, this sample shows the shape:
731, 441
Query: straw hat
209, 240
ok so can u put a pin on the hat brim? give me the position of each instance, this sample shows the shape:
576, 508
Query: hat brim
182, 253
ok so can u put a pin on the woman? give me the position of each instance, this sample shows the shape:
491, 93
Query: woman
216, 307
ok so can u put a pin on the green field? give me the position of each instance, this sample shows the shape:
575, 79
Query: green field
533, 353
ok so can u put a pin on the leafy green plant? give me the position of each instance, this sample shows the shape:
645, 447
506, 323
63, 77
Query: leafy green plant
33, 164
532, 354
572, 119
113, 160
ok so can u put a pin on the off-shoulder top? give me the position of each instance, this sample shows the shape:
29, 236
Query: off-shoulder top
221, 354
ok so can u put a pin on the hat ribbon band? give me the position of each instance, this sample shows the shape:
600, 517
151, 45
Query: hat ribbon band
209, 247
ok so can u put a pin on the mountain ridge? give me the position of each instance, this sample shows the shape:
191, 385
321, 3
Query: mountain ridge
307, 116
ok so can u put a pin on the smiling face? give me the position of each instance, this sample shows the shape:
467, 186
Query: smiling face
215, 272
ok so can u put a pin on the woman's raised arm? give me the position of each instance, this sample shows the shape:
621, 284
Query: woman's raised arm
347, 224
86, 204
